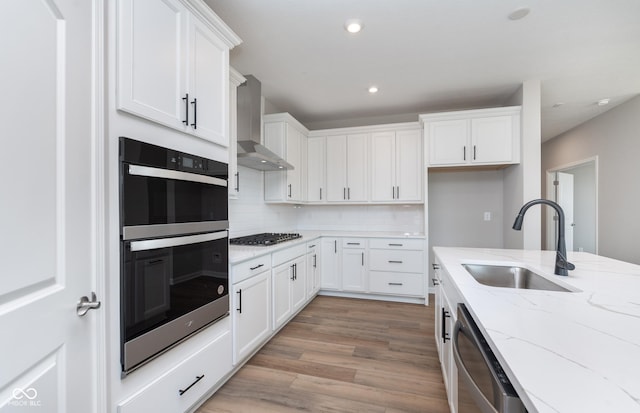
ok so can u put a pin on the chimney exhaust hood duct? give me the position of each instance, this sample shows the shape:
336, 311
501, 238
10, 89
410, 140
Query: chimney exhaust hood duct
250, 152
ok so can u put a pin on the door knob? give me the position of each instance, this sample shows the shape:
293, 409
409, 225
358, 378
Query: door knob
85, 304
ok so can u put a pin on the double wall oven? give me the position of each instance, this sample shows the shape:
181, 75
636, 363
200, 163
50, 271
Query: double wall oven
174, 248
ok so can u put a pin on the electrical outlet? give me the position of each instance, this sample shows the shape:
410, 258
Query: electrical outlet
487, 216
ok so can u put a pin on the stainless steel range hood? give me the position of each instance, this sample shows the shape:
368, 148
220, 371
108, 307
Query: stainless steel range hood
250, 152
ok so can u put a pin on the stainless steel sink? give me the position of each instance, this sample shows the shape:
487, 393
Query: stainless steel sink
511, 277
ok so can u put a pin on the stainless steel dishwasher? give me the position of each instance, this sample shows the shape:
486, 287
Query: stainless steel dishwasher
482, 384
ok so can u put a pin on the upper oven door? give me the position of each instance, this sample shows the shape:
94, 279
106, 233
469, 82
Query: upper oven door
163, 202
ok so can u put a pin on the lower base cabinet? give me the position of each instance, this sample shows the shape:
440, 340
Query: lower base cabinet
251, 314
182, 386
289, 284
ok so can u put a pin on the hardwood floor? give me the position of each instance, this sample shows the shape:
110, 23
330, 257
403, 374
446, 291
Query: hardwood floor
342, 355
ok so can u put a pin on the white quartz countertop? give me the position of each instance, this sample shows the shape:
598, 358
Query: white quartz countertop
239, 253
564, 351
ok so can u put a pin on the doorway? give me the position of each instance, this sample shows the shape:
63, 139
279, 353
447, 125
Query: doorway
575, 188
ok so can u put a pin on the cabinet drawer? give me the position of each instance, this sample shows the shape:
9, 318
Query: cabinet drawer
354, 243
282, 256
396, 261
247, 269
397, 243
384, 282
211, 364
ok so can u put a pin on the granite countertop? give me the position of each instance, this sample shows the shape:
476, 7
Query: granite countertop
568, 352
239, 253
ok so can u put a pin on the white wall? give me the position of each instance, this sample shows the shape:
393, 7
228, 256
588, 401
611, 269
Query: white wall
615, 138
250, 214
402, 218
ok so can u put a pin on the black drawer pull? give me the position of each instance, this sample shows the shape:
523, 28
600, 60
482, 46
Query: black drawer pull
239, 309
395, 283
198, 378
353, 243
395, 245
435, 282
256, 267
435, 266
395, 262
312, 246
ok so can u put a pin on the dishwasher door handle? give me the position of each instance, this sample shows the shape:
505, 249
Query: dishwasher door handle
476, 394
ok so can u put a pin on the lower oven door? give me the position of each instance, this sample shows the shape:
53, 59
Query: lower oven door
171, 288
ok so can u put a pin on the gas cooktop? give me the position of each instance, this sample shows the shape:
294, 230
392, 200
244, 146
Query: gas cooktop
264, 239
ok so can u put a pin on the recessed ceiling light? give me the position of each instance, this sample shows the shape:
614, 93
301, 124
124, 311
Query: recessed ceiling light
353, 25
519, 13
603, 102
373, 89
263, 161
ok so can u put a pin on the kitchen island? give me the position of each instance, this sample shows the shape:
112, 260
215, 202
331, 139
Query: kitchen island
576, 351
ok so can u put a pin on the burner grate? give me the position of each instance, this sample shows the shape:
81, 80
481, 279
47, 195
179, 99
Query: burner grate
264, 239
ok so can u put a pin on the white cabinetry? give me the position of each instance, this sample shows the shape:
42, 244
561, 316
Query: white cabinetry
396, 166
313, 268
397, 267
180, 387
354, 266
316, 166
473, 137
235, 80
347, 174
330, 264
251, 306
284, 136
173, 67
289, 288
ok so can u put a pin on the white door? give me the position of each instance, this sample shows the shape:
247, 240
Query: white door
298, 284
151, 54
208, 84
251, 314
354, 275
47, 352
491, 139
409, 166
448, 142
565, 200
357, 173
330, 276
315, 167
337, 171
294, 142
383, 166
282, 293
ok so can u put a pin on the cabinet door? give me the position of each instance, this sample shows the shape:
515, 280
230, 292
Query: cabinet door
316, 191
409, 169
383, 166
251, 314
151, 50
275, 182
354, 274
298, 284
281, 294
491, 139
313, 270
293, 150
357, 171
331, 275
448, 142
337, 173
209, 74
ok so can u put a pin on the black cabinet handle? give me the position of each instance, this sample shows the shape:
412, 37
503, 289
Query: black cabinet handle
394, 283
435, 282
435, 266
353, 243
237, 181
363, 259
474, 152
315, 261
344, 193
396, 245
293, 272
195, 113
464, 153
186, 109
395, 262
312, 246
335, 246
348, 193
239, 309
445, 335
256, 267
393, 192
397, 192
289, 190
198, 378
321, 194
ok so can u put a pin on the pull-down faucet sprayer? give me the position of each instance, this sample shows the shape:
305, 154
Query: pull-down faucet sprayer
562, 265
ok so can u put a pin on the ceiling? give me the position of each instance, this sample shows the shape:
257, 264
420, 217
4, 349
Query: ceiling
435, 55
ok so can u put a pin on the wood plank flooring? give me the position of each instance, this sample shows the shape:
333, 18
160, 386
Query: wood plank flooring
342, 355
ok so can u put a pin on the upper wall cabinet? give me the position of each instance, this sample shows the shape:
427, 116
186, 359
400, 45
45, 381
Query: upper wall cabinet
286, 137
396, 166
316, 163
173, 66
346, 160
473, 137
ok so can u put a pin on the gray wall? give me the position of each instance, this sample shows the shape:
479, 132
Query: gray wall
615, 138
584, 214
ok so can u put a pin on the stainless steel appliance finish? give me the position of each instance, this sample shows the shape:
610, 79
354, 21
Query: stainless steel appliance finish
511, 277
174, 248
250, 152
483, 386
264, 239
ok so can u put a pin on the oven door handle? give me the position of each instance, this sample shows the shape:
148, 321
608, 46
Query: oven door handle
476, 394
178, 175
154, 244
